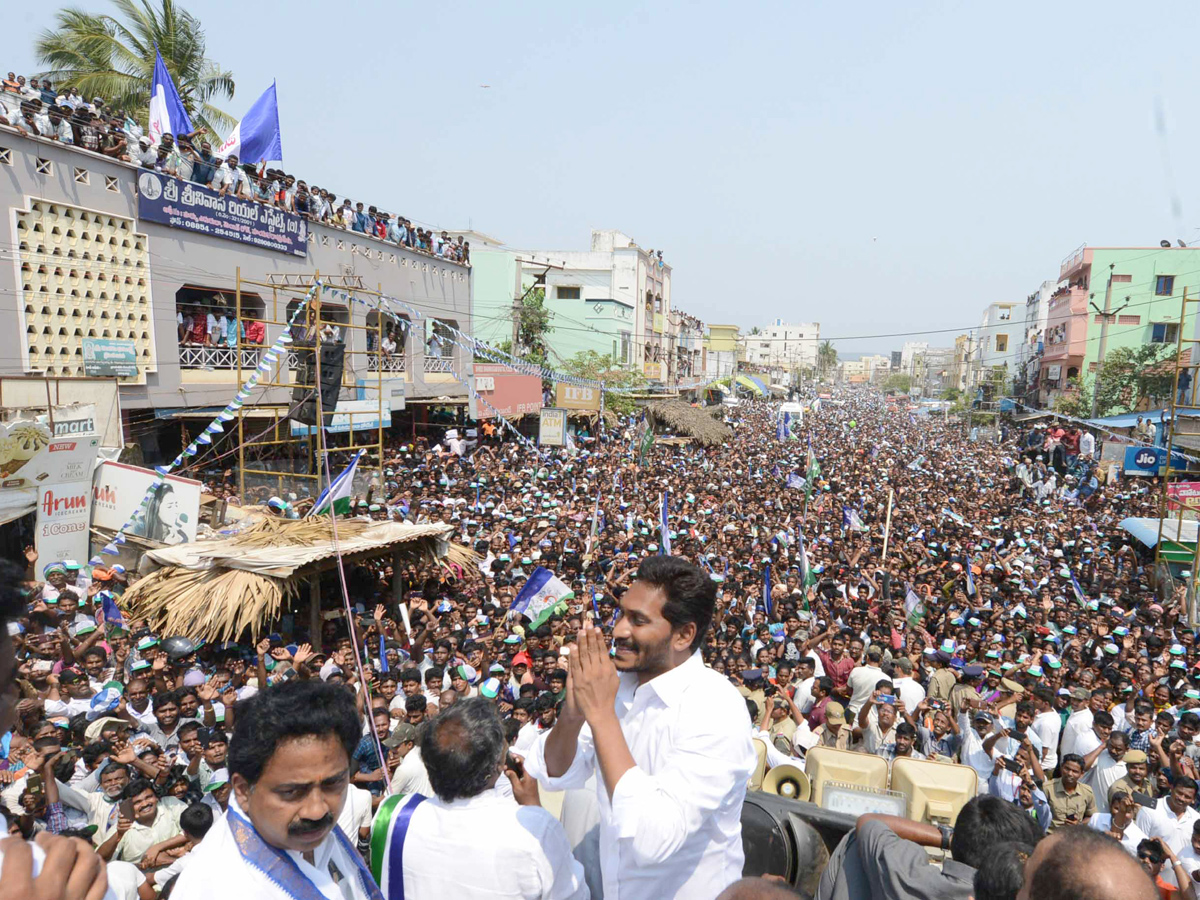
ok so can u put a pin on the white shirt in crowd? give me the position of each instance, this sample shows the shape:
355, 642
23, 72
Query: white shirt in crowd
410, 776
673, 826
1047, 726
1078, 723
1133, 834
515, 852
1160, 822
39, 859
908, 690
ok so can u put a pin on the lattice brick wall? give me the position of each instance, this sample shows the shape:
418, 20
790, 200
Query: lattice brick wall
82, 274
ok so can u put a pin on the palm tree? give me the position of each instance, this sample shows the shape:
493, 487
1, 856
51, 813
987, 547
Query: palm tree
826, 357
113, 57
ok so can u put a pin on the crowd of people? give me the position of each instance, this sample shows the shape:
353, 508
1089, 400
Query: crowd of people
1013, 630
65, 117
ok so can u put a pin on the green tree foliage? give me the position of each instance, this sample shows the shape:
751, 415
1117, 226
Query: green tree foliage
112, 56
826, 358
898, 382
603, 368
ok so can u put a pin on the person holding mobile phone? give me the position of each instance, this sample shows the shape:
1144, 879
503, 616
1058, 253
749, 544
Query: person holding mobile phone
1071, 802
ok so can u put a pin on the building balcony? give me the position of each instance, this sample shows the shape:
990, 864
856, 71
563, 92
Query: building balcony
196, 357
438, 364
394, 363
1074, 262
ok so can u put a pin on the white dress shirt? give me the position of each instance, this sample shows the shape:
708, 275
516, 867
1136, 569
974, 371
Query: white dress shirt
909, 691
1078, 723
410, 776
218, 865
1132, 835
1047, 726
487, 847
39, 859
1103, 775
1160, 822
673, 826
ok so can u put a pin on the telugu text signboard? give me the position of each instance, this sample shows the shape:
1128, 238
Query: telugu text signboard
505, 392
351, 415
192, 207
105, 358
1185, 494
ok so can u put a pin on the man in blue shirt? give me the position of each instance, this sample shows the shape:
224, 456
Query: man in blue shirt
365, 765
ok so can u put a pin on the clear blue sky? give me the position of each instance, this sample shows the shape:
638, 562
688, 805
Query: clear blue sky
873, 166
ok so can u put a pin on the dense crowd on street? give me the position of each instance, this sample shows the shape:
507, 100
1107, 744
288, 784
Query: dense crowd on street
1012, 627
65, 117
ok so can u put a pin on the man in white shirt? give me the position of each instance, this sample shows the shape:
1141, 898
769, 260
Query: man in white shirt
1047, 725
864, 679
666, 737
1078, 723
1107, 768
289, 763
1119, 822
1172, 818
907, 688
517, 849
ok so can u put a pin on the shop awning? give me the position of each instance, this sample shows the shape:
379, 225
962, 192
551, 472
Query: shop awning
749, 381
1146, 530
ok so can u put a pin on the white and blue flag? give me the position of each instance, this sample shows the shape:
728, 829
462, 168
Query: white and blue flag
663, 526
796, 481
256, 138
167, 115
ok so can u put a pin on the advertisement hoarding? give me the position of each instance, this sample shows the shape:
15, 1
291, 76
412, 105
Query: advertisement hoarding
552, 427
570, 396
350, 415
106, 358
171, 513
506, 392
181, 204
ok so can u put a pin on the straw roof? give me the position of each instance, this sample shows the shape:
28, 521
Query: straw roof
219, 589
696, 422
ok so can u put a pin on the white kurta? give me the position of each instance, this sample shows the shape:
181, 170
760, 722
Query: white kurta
217, 865
673, 826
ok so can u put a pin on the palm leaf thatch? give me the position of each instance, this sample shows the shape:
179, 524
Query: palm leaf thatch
221, 589
695, 422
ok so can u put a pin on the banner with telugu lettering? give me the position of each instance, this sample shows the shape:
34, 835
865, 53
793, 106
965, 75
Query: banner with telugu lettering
181, 204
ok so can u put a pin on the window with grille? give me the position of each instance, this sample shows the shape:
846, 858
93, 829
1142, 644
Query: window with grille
5, 156
44, 167
1164, 332
568, 293
112, 184
81, 175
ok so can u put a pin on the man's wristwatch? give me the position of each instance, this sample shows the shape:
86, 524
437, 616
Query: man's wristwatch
947, 832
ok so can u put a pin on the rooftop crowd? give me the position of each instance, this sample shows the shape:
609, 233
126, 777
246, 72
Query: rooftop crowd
66, 117
1012, 627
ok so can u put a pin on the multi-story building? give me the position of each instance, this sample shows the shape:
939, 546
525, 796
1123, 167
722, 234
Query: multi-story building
108, 255
784, 346
613, 298
720, 350
1144, 306
689, 360
934, 371
995, 347
1029, 358
960, 362
909, 354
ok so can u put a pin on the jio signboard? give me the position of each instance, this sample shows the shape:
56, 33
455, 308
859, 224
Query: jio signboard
1150, 460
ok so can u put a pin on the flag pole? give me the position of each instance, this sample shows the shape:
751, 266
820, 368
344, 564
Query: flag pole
887, 527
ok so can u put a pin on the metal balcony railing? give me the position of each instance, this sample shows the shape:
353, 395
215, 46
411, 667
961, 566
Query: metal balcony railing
218, 357
386, 363
439, 364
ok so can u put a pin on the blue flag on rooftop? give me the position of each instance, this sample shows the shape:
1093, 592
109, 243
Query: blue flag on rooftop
167, 114
256, 138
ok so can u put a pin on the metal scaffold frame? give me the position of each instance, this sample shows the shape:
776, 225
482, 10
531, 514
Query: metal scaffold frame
256, 440
1175, 431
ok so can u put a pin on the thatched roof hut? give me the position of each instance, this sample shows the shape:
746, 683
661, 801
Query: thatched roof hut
219, 589
701, 424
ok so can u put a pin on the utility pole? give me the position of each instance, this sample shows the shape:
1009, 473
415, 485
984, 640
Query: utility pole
1103, 338
516, 335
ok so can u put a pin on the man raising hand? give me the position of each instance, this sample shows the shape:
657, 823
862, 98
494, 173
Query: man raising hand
665, 735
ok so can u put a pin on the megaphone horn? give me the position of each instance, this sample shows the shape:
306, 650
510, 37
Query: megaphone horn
787, 781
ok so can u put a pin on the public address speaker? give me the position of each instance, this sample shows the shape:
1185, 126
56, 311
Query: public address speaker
789, 838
